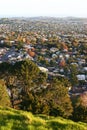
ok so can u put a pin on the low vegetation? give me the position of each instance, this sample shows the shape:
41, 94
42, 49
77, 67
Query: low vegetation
11, 119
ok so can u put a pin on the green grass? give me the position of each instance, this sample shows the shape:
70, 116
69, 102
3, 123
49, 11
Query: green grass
11, 119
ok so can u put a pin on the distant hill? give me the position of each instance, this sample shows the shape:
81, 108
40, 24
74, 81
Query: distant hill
11, 119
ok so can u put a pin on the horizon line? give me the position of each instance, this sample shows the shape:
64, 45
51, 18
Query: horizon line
43, 16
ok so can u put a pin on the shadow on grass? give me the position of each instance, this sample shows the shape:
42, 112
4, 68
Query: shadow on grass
13, 122
54, 125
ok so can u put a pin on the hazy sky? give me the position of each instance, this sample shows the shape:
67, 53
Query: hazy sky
29, 8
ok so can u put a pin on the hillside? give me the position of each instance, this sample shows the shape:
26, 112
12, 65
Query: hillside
11, 119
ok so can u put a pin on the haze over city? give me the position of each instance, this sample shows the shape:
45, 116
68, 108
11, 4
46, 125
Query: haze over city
33, 8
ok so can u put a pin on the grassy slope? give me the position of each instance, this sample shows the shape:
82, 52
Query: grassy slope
11, 119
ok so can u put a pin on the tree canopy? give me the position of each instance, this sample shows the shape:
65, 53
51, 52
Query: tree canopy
4, 97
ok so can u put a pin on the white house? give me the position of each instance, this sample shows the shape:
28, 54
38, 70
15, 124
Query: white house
43, 69
81, 77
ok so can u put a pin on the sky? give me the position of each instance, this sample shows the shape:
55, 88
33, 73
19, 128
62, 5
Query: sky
33, 8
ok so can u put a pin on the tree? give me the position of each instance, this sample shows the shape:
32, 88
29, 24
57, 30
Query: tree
26, 71
65, 82
6, 73
57, 99
73, 75
4, 97
30, 78
41, 79
5, 69
80, 108
19, 45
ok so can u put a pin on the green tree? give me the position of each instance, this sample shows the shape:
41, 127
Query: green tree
73, 75
30, 78
26, 71
57, 99
4, 97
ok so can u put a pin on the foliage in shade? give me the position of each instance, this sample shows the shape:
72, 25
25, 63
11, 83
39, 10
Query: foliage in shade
80, 108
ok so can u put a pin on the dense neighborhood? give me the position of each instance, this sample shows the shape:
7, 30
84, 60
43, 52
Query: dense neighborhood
56, 45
